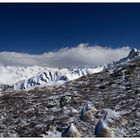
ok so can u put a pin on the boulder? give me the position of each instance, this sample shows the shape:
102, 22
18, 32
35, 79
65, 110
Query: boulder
71, 131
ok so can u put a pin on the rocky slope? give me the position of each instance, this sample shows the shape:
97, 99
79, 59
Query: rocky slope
50, 111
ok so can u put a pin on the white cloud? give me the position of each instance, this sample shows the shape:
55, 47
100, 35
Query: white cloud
80, 55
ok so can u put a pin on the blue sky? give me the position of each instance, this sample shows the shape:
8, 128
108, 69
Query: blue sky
38, 28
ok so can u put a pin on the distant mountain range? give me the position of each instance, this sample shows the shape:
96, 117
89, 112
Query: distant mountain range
25, 78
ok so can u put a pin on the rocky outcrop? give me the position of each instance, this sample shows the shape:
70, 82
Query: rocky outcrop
102, 130
71, 131
110, 119
88, 112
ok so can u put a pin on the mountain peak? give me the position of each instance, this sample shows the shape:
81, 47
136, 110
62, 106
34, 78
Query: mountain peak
133, 53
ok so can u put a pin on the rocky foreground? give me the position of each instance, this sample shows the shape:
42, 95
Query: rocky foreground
108, 100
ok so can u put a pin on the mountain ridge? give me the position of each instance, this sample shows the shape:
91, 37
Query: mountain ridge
25, 78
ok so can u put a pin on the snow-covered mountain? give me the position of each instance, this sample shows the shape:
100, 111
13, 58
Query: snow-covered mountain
33, 76
134, 54
20, 78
